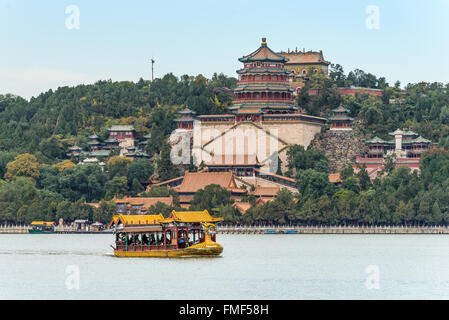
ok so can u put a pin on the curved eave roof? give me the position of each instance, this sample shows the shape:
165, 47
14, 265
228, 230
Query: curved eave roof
340, 109
263, 53
417, 140
186, 111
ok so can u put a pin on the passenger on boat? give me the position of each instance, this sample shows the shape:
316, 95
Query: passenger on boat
145, 239
181, 243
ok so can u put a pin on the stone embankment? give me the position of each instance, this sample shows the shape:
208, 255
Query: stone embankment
14, 228
21, 229
341, 146
334, 230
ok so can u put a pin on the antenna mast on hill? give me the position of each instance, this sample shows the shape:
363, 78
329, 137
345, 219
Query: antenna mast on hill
152, 69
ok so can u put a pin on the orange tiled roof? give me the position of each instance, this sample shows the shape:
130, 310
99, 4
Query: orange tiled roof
304, 57
242, 206
335, 178
92, 204
145, 202
194, 181
263, 200
265, 191
161, 183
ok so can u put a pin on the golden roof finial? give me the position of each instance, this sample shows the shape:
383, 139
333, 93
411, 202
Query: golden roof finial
264, 41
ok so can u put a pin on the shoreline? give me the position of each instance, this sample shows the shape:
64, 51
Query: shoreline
274, 230
334, 230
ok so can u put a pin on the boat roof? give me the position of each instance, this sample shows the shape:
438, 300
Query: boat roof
136, 219
140, 220
40, 223
191, 216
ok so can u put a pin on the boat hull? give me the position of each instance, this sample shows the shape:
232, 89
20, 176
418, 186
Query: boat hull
38, 231
201, 249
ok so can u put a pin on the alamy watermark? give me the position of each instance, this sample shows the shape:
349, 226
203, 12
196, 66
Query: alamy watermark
72, 21
72, 280
372, 22
233, 146
373, 279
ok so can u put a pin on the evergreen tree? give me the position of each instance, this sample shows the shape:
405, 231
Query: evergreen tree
165, 168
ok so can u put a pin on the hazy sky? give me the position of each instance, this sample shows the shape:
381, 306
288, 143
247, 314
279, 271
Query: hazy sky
41, 48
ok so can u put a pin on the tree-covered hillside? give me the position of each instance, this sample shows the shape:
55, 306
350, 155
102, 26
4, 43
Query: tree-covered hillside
421, 107
52, 121
38, 182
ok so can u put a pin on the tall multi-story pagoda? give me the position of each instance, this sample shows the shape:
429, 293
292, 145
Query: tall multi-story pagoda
263, 86
263, 121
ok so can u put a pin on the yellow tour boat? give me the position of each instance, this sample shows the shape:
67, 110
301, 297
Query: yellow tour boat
183, 233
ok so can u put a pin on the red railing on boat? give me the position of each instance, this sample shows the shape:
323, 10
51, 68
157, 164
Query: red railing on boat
138, 247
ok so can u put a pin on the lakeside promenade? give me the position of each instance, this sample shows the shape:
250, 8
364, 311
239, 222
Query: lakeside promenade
282, 229
23, 229
288, 229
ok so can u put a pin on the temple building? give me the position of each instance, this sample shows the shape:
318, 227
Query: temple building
340, 119
134, 152
121, 140
121, 132
406, 146
111, 144
186, 119
265, 188
94, 143
263, 119
187, 185
125, 134
263, 86
302, 64
240, 165
74, 152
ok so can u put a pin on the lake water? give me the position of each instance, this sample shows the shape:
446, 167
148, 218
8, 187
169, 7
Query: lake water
67, 266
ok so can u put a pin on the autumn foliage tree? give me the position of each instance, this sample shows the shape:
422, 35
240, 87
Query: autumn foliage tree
24, 165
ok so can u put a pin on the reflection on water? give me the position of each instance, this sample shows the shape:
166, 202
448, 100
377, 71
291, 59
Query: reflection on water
250, 267
46, 252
